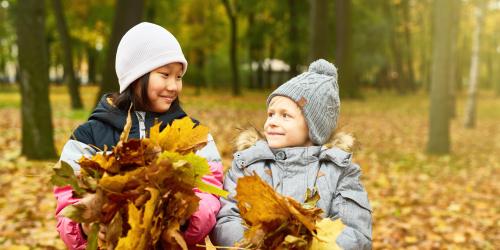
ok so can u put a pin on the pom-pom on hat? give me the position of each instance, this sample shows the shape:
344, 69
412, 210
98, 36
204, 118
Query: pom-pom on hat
145, 47
317, 93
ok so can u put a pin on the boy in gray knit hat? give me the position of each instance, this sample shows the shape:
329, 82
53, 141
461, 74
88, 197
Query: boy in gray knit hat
298, 153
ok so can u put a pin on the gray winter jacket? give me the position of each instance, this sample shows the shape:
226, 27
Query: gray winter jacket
291, 171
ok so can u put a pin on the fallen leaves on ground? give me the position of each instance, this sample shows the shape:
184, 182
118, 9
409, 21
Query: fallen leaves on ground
419, 201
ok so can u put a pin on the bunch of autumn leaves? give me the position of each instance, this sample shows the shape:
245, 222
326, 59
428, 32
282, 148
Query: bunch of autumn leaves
142, 191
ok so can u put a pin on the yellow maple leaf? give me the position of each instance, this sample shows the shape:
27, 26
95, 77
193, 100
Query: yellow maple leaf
208, 244
154, 132
327, 233
127, 127
182, 136
116, 183
106, 161
258, 202
140, 221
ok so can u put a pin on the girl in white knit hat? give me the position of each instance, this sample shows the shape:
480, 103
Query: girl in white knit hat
149, 65
298, 153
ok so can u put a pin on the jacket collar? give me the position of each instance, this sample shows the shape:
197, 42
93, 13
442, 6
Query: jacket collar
108, 113
258, 152
253, 147
336, 155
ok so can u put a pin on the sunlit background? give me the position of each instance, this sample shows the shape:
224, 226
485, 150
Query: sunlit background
419, 80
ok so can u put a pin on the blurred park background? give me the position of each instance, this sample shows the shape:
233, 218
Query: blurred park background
419, 81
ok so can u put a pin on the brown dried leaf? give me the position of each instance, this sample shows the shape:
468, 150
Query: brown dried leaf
272, 217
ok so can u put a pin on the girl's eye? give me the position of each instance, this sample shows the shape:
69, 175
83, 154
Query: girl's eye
270, 114
285, 115
164, 74
179, 78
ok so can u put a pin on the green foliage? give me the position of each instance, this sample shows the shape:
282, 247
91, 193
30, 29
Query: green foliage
64, 175
202, 28
92, 237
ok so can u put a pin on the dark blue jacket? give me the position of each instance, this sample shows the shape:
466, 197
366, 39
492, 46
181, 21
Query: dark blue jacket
106, 123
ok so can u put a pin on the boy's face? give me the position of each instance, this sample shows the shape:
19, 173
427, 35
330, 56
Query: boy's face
285, 125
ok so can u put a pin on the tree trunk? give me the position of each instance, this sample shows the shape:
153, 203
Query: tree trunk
454, 74
260, 74
397, 80
3, 72
410, 75
127, 14
439, 128
233, 57
269, 73
496, 62
470, 110
91, 61
69, 72
151, 11
490, 74
343, 57
425, 52
256, 46
497, 79
251, 49
200, 69
318, 22
294, 56
37, 132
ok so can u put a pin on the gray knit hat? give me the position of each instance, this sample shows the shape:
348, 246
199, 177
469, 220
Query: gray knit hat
317, 93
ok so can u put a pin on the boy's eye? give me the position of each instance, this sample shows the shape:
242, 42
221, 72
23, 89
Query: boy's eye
285, 115
270, 114
179, 78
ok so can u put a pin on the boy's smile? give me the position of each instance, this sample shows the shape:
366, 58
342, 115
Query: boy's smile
285, 125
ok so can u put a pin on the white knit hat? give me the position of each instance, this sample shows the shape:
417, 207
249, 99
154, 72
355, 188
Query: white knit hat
143, 48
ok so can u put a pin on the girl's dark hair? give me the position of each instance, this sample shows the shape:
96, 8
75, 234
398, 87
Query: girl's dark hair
140, 101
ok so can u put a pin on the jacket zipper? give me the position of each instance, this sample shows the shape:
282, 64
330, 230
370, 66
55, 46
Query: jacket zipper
142, 127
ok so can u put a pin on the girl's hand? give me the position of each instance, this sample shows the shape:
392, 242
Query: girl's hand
102, 234
91, 206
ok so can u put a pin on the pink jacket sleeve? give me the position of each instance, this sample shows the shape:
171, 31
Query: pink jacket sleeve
69, 230
203, 220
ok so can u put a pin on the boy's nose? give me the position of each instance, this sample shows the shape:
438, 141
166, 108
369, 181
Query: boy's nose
271, 121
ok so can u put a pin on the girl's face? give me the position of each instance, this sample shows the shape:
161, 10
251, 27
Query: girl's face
165, 84
285, 125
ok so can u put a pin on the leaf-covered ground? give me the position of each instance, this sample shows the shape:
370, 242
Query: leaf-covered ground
419, 201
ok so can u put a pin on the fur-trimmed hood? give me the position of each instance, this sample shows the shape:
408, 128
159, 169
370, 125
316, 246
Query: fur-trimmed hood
252, 147
250, 136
